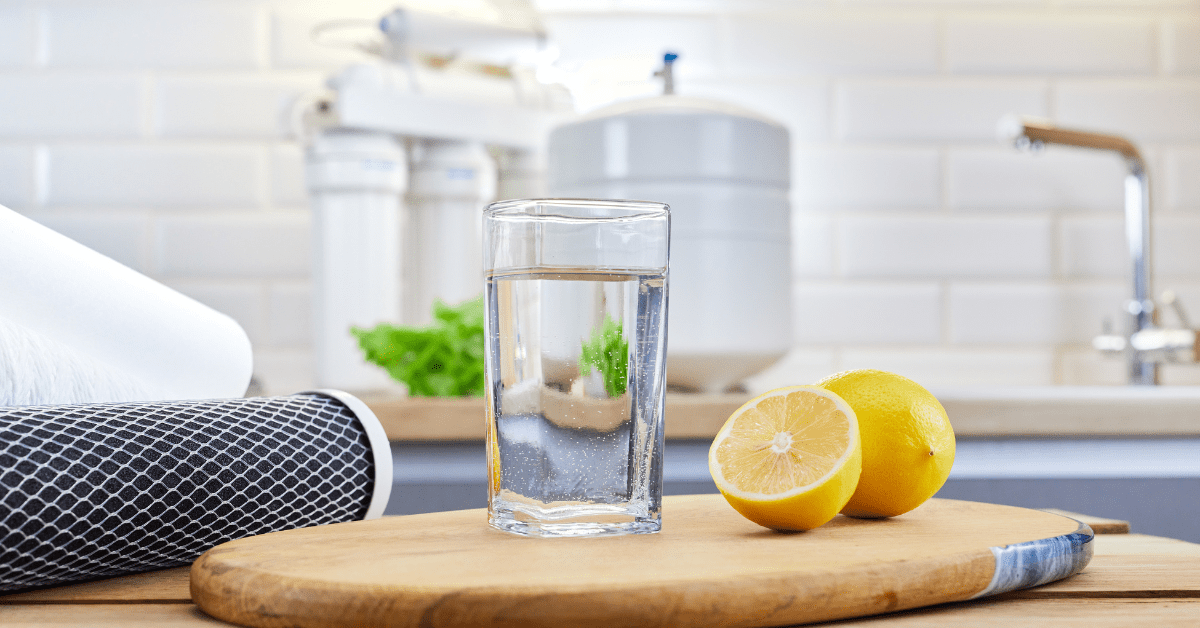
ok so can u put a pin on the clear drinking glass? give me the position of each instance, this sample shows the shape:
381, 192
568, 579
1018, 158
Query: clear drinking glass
576, 354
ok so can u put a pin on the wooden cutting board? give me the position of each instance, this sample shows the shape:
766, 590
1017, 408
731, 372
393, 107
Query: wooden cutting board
708, 567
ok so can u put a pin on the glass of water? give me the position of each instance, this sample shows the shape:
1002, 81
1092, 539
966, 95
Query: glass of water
576, 354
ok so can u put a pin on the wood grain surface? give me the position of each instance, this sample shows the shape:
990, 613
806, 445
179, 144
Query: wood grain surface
1099, 525
107, 616
165, 586
709, 567
1145, 545
1130, 566
1010, 613
1119, 594
998, 613
171, 586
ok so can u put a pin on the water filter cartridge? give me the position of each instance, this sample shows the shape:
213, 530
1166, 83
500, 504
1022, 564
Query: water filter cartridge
88, 491
79, 327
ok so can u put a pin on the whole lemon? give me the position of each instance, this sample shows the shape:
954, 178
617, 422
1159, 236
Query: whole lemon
907, 441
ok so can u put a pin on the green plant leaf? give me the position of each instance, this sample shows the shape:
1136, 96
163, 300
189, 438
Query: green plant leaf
444, 359
608, 352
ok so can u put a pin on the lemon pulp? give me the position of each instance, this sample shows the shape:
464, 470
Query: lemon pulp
788, 459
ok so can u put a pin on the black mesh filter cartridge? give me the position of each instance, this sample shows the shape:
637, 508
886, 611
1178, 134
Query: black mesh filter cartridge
88, 491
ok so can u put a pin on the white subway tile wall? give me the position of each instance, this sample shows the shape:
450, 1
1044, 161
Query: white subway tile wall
234, 245
838, 177
939, 246
1031, 313
291, 42
998, 179
1086, 245
851, 313
1177, 242
289, 319
803, 104
959, 366
18, 32
1183, 175
812, 245
156, 174
241, 301
1164, 110
589, 38
178, 34
236, 106
16, 176
71, 105
1181, 46
815, 41
159, 134
287, 175
1037, 44
123, 235
916, 110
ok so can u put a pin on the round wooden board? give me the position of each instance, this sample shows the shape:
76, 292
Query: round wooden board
708, 567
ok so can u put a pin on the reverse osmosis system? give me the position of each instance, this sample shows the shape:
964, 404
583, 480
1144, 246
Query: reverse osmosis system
403, 153
400, 162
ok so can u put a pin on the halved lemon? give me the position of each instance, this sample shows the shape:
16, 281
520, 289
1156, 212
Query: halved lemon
788, 459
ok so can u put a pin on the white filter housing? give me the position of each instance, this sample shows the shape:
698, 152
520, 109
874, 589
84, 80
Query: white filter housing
356, 181
725, 173
452, 180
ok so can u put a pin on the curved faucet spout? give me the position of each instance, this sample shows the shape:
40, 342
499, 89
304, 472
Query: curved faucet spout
1033, 133
1038, 131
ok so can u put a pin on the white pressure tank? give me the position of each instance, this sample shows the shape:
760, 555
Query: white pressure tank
725, 173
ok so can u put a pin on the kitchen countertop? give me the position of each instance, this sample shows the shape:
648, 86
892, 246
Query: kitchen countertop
462, 419
451, 419
1098, 411
1132, 578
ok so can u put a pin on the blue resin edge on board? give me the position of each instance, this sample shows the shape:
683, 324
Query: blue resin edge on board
1033, 563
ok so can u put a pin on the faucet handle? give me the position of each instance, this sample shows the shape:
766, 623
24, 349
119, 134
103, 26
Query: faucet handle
1169, 298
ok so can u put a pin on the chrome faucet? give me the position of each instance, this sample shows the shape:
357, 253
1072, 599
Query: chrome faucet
1147, 345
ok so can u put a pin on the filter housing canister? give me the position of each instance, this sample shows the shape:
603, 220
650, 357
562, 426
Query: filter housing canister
356, 181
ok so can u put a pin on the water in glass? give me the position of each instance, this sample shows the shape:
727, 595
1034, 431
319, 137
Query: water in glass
575, 410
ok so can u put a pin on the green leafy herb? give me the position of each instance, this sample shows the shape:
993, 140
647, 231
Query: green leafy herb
608, 352
442, 360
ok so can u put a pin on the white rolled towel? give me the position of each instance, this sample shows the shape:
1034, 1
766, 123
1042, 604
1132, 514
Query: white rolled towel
78, 327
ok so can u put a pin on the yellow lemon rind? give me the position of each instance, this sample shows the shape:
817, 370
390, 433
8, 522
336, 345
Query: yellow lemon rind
884, 492
805, 511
